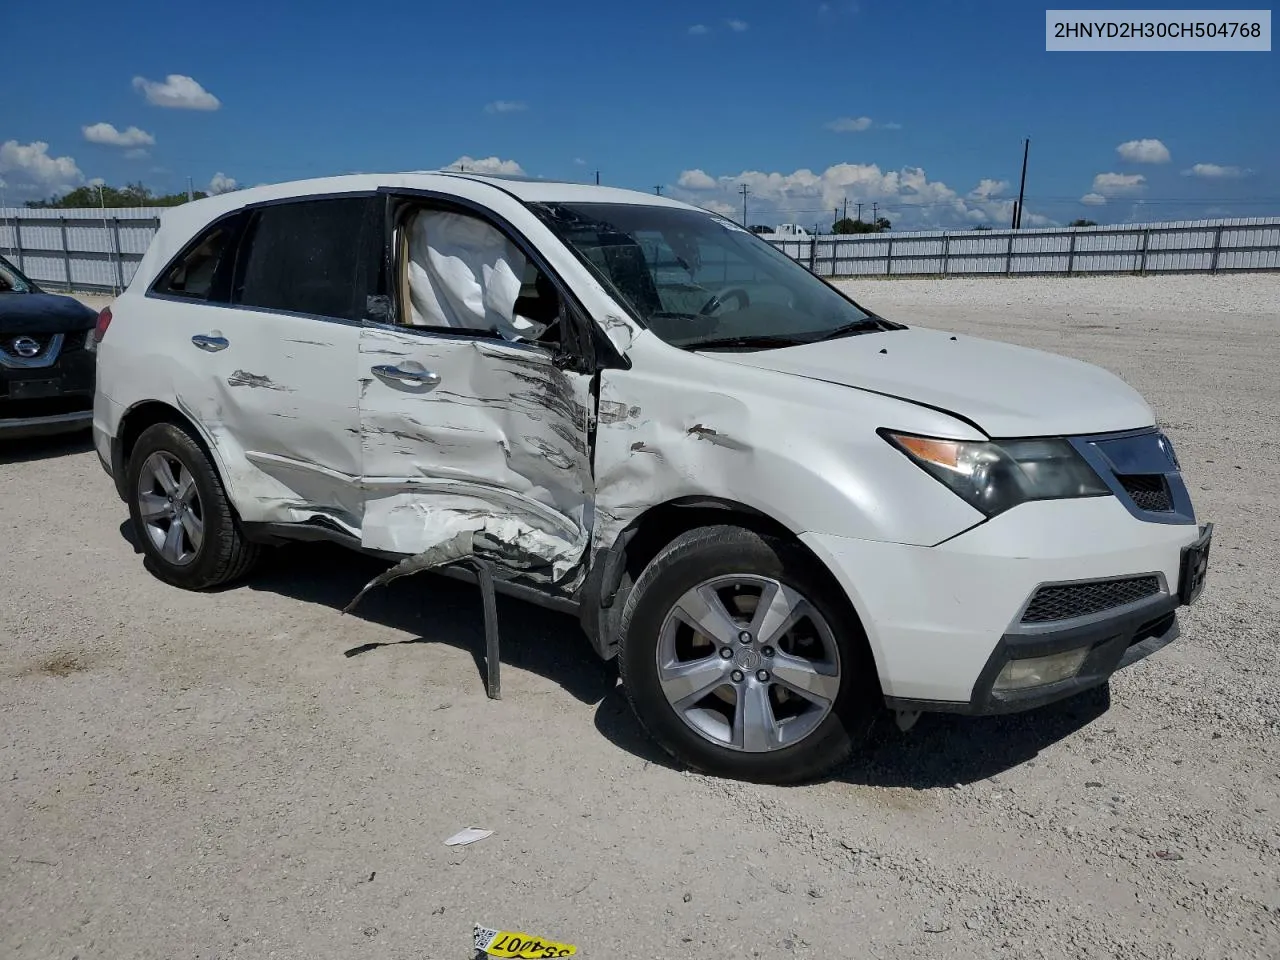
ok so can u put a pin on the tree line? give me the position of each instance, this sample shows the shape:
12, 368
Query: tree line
130, 195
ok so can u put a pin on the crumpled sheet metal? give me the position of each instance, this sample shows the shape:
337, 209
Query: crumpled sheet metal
458, 535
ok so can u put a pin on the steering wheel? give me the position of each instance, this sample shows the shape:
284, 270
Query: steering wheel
728, 293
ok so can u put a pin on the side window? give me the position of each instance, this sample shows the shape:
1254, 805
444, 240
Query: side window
195, 273
462, 273
303, 257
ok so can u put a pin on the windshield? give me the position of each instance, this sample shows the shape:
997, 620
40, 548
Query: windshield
11, 281
696, 279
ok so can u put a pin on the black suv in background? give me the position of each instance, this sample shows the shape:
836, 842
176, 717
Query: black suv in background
46, 359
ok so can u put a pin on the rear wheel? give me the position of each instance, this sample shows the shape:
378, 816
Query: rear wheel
181, 514
741, 658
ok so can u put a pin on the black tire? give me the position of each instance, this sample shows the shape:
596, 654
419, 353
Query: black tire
224, 554
708, 552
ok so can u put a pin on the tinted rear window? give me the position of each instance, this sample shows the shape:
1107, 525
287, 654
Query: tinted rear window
303, 257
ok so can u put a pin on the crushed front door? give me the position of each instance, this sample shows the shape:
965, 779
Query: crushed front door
475, 438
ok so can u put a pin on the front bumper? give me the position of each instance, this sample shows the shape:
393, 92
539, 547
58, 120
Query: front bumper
12, 428
48, 395
1114, 642
943, 621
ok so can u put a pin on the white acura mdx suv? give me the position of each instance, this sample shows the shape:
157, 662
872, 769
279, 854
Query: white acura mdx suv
779, 511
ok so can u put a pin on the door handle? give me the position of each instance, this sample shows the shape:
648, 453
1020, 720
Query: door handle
210, 343
419, 376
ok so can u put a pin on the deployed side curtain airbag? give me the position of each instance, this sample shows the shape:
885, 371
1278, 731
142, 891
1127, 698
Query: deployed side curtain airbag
464, 273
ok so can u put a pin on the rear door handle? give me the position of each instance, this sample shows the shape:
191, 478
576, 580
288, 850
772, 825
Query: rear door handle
211, 343
409, 374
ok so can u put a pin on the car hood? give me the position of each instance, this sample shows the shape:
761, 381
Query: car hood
1005, 390
43, 313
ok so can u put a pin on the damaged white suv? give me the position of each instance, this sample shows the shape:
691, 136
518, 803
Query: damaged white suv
779, 511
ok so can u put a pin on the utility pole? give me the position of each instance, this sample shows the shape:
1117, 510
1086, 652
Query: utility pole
859, 206
875, 214
835, 218
190, 194
744, 191
657, 188
597, 178
1022, 187
846, 208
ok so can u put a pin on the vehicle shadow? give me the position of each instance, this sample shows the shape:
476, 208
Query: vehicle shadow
437, 609
26, 449
942, 750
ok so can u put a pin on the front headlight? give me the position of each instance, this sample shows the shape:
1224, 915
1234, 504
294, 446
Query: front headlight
993, 477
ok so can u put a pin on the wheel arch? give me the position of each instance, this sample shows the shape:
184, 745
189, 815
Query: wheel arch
139, 417
616, 567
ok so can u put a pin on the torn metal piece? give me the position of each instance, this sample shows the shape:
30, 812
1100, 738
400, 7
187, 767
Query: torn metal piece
492, 654
458, 547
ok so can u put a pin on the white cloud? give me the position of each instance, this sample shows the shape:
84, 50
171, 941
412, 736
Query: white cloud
176, 91
1118, 184
1143, 151
986, 189
106, 133
486, 165
579, 161
221, 183
506, 106
891, 126
907, 196
31, 163
1216, 171
696, 180
849, 124
135, 154
698, 30
97, 182
1093, 199
737, 26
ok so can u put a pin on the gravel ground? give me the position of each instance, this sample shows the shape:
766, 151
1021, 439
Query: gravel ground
251, 774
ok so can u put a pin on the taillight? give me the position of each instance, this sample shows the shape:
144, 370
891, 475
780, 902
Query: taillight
104, 321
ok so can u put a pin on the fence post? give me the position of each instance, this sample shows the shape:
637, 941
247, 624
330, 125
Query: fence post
1142, 264
66, 252
888, 259
1008, 257
813, 253
946, 253
1217, 245
115, 227
1071, 252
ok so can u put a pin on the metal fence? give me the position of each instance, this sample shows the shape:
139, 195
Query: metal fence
78, 249
1185, 246
98, 250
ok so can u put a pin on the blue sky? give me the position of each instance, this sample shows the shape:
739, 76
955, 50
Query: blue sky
920, 107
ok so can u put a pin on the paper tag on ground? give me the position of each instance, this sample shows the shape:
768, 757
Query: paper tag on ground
469, 835
508, 943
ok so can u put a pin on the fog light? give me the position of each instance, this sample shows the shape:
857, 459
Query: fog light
1037, 671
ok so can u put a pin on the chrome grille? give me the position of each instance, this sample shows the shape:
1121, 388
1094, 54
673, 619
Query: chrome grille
27, 350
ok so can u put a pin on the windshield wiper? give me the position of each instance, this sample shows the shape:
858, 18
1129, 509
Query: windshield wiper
865, 325
764, 341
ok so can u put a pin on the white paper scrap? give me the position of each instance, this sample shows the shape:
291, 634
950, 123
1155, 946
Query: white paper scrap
469, 835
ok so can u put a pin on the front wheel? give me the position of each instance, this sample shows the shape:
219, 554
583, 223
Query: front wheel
741, 659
